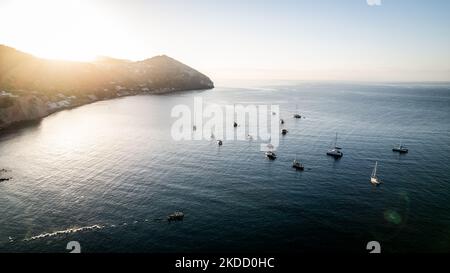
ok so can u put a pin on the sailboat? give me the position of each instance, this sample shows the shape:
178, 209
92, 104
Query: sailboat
335, 151
373, 178
297, 165
234, 116
297, 115
194, 127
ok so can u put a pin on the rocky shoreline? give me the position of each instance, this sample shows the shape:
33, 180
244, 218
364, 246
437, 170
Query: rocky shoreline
2, 177
34, 107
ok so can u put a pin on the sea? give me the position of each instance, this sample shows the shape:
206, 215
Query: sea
108, 174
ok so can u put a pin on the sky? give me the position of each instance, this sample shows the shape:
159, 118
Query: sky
397, 40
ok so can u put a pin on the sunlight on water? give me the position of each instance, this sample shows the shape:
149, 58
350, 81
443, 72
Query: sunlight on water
109, 172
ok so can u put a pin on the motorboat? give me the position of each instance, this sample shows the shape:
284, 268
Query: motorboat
400, 148
176, 216
271, 155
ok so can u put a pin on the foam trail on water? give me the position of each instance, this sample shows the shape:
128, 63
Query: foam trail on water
66, 231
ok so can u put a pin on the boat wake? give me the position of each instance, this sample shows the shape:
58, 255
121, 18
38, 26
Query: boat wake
62, 232
175, 216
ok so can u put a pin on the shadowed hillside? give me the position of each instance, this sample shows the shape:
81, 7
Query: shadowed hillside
32, 87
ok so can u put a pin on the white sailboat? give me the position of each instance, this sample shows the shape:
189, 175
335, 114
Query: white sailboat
373, 178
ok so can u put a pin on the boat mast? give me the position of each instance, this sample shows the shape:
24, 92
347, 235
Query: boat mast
374, 172
335, 141
194, 127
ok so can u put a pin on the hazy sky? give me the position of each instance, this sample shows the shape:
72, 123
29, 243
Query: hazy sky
404, 40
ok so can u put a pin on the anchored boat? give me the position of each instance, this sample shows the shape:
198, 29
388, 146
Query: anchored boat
271, 155
335, 151
400, 149
297, 165
373, 178
297, 115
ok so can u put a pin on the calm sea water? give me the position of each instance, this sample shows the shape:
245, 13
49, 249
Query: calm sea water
114, 164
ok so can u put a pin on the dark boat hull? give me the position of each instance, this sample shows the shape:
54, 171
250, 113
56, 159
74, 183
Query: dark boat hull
335, 155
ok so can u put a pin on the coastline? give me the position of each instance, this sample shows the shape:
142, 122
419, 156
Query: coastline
28, 122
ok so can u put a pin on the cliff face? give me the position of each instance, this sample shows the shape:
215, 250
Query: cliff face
31, 88
22, 109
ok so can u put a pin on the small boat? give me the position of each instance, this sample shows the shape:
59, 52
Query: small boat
400, 148
296, 115
219, 142
284, 131
335, 151
271, 155
234, 116
297, 165
373, 178
176, 216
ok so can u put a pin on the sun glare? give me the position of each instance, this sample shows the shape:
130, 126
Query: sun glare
64, 30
